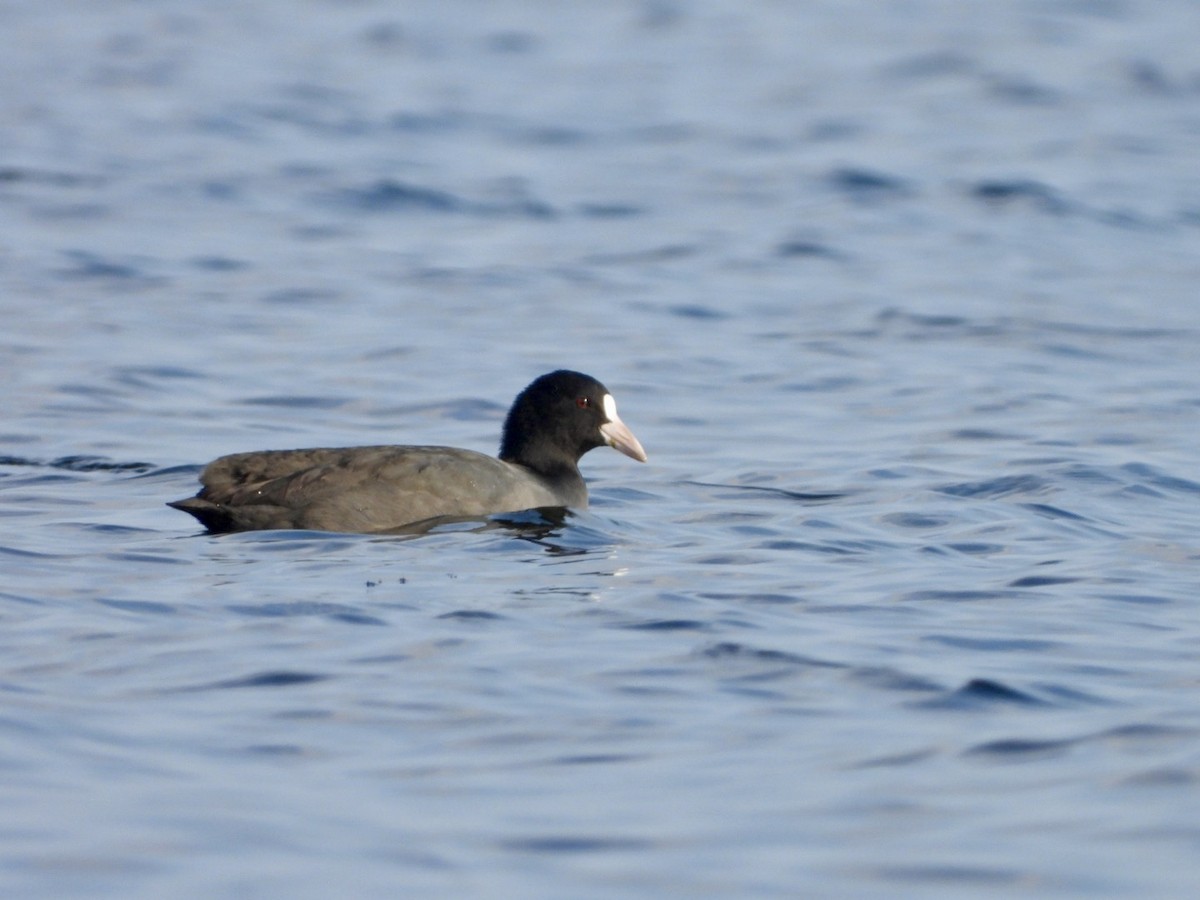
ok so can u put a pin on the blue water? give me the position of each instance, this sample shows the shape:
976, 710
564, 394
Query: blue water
901, 300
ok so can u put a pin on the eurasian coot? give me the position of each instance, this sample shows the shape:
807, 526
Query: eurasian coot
551, 424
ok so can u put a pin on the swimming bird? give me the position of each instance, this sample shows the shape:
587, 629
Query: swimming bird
552, 423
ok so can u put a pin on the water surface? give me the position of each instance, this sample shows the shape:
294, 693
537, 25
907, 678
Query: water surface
901, 303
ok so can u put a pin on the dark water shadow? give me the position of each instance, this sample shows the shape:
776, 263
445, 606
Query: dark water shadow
812, 497
79, 463
534, 525
273, 678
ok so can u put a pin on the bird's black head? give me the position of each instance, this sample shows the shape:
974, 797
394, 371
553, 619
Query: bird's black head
560, 417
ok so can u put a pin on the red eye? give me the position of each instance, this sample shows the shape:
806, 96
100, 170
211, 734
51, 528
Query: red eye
583, 402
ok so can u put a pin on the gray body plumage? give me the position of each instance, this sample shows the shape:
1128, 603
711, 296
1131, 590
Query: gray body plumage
367, 488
